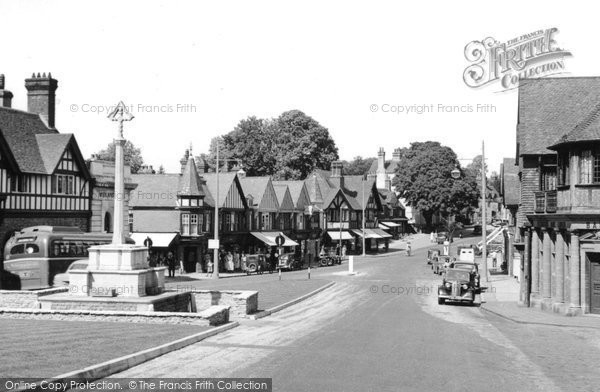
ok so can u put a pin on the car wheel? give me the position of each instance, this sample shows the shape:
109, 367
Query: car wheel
441, 301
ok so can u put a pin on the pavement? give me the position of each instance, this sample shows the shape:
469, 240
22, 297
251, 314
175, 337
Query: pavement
502, 299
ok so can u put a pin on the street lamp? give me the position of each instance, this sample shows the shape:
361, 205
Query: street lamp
363, 218
215, 274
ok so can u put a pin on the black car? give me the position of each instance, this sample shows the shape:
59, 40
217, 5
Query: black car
458, 286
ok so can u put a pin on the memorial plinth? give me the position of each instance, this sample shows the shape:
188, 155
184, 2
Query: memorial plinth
117, 271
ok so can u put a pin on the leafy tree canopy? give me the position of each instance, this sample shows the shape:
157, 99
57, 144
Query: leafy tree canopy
358, 166
132, 155
288, 147
424, 179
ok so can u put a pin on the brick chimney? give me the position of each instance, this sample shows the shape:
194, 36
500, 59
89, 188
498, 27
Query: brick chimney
381, 173
337, 172
41, 96
396, 155
5, 95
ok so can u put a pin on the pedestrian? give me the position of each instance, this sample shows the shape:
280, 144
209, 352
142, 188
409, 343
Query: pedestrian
171, 264
207, 259
209, 268
236, 261
181, 269
244, 260
344, 251
229, 262
431, 237
408, 248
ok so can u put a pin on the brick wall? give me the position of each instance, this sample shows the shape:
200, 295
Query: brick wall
179, 303
529, 185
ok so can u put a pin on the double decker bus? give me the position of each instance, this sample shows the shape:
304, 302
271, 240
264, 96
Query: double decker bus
35, 255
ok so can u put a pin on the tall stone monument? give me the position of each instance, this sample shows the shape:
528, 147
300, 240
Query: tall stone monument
118, 269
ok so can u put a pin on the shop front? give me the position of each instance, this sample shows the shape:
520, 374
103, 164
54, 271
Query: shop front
159, 245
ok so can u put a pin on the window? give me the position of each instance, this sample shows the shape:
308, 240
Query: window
266, 222
589, 167
232, 224
227, 221
194, 224
548, 182
563, 168
200, 223
63, 184
130, 222
185, 224
19, 183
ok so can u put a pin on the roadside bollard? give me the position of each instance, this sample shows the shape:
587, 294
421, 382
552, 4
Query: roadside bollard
351, 264
279, 273
309, 272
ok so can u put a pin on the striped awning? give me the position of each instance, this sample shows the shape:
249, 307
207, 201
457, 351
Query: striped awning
382, 233
369, 233
390, 224
269, 238
335, 235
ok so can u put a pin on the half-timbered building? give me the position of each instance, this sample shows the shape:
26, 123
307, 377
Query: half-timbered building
43, 177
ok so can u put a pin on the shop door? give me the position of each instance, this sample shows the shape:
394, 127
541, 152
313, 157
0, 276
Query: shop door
189, 259
595, 288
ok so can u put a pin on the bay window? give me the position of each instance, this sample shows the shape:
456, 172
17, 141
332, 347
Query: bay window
185, 224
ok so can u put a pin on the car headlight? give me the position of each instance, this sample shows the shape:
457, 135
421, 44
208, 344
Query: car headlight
448, 285
464, 286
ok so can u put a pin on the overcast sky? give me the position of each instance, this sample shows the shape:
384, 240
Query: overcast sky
232, 59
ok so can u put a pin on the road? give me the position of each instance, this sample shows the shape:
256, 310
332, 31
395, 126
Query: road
382, 330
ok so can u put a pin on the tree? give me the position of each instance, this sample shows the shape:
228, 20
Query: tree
494, 181
132, 155
424, 179
358, 166
161, 170
288, 147
302, 145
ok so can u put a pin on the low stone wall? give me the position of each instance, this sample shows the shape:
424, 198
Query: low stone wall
241, 303
26, 299
166, 302
215, 315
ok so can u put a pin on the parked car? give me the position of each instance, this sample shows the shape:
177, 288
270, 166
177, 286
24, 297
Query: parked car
472, 268
442, 236
437, 265
63, 278
431, 253
466, 253
288, 261
257, 263
457, 286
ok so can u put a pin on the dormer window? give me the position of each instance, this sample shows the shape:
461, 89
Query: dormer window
563, 176
63, 184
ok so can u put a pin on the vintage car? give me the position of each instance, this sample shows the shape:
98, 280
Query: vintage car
288, 261
438, 262
472, 268
431, 253
442, 236
256, 263
458, 286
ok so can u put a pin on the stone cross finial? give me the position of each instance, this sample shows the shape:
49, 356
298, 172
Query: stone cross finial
120, 114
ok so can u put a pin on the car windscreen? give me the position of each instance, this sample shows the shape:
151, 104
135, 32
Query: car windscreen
453, 274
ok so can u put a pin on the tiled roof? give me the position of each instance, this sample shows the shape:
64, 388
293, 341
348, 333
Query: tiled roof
510, 182
586, 131
154, 190
52, 148
35, 147
388, 197
225, 181
295, 188
285, 204
352, 188
256, 187
552, 107
190, 183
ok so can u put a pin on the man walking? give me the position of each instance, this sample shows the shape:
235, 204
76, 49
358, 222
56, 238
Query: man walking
171, 264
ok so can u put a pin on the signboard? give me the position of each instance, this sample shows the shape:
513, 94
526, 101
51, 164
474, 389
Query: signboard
213, 244
279, 240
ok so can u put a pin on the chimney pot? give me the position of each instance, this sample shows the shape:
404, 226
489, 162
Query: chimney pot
5, 95
41, 97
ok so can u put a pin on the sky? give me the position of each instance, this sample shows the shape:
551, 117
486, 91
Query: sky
192, 70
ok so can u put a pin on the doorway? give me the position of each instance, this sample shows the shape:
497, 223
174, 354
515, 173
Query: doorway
595, 284
189, 259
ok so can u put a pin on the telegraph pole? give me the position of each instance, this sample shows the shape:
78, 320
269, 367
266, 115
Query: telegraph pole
483, 215
215, 274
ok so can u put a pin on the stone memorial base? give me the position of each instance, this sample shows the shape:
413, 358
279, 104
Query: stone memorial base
117, 271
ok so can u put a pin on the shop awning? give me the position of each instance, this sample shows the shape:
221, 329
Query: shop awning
335, 235
159, 240
390, 224
368, 233
269, 238
384, 227
381, 233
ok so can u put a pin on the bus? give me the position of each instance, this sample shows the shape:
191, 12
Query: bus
35, 255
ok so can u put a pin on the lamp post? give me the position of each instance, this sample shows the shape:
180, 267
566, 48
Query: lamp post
215, 274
